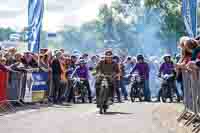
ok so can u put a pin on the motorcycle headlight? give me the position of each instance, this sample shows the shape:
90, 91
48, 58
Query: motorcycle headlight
104, 83
164, 81
138, 79
132, 79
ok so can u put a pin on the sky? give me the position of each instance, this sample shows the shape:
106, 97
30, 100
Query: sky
14, 13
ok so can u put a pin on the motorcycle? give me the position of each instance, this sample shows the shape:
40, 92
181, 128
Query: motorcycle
79, 89
137, 87
166, 90
104, 94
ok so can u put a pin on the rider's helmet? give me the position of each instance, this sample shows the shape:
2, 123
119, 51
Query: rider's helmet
140, 57
166, 56
129, 58
85, 55
82, 61
116, 58
108, 53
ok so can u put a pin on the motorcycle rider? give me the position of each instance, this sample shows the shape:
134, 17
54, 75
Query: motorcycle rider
168, 68
108, 68
143, 69
82, 72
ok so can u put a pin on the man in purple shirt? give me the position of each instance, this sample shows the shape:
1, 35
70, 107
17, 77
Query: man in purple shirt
143, 69
168, 68
83, 73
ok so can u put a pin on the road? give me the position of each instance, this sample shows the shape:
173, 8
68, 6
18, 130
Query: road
84, 118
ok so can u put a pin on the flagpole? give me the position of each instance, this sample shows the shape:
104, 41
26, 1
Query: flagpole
35, 17
39, 55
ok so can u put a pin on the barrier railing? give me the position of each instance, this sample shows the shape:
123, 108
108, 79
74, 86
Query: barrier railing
4, 103
27, 86
191, 113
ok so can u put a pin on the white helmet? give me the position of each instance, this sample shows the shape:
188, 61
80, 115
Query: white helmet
166, 55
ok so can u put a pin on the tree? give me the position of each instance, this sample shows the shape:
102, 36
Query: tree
170, 10
5, 33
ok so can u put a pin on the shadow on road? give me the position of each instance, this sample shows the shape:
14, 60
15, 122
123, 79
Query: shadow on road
33, 106
117, 113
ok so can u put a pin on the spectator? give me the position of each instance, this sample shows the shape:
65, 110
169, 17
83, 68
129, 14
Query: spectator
3, 64
56, 73
29, 61
18, 65
184, 60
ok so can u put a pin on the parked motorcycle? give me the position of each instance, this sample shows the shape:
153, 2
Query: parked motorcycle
79, 89
167, 87
137, 87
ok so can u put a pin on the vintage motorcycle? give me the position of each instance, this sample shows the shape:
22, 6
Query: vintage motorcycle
104, 94
137, 87
167, 87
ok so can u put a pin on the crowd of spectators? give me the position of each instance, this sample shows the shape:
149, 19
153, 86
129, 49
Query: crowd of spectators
60, 64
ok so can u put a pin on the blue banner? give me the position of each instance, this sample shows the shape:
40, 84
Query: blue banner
35, 16
193, 13
189, 13
39, 81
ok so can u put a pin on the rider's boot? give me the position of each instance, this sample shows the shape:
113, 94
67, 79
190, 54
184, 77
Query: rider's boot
74, 100
158, 99
90, 100
178, 99
171, 100
119, 101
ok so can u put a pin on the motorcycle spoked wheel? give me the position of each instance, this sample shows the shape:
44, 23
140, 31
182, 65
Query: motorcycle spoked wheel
141, 94
175, 96
103, 100
83, 92
76, 93
164, 94
133, 93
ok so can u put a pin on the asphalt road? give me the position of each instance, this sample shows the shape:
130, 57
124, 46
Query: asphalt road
84, 118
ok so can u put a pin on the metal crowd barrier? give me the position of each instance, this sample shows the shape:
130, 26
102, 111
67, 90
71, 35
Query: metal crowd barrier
28, 86
15, 89
191, 113
5, 105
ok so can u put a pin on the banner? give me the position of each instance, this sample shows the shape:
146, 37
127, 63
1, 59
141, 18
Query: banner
36, 86
3, 85
189, 13
35, 16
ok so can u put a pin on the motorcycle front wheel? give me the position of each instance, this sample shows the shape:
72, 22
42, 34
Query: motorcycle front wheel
164, 94
133, 94
141, 94
103, 100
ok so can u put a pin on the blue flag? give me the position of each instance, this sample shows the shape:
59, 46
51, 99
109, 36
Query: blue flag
189, 13
193, 12
35, 16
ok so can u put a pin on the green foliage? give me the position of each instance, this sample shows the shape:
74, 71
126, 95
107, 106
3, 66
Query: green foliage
4, 33
171, 13
121, 22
